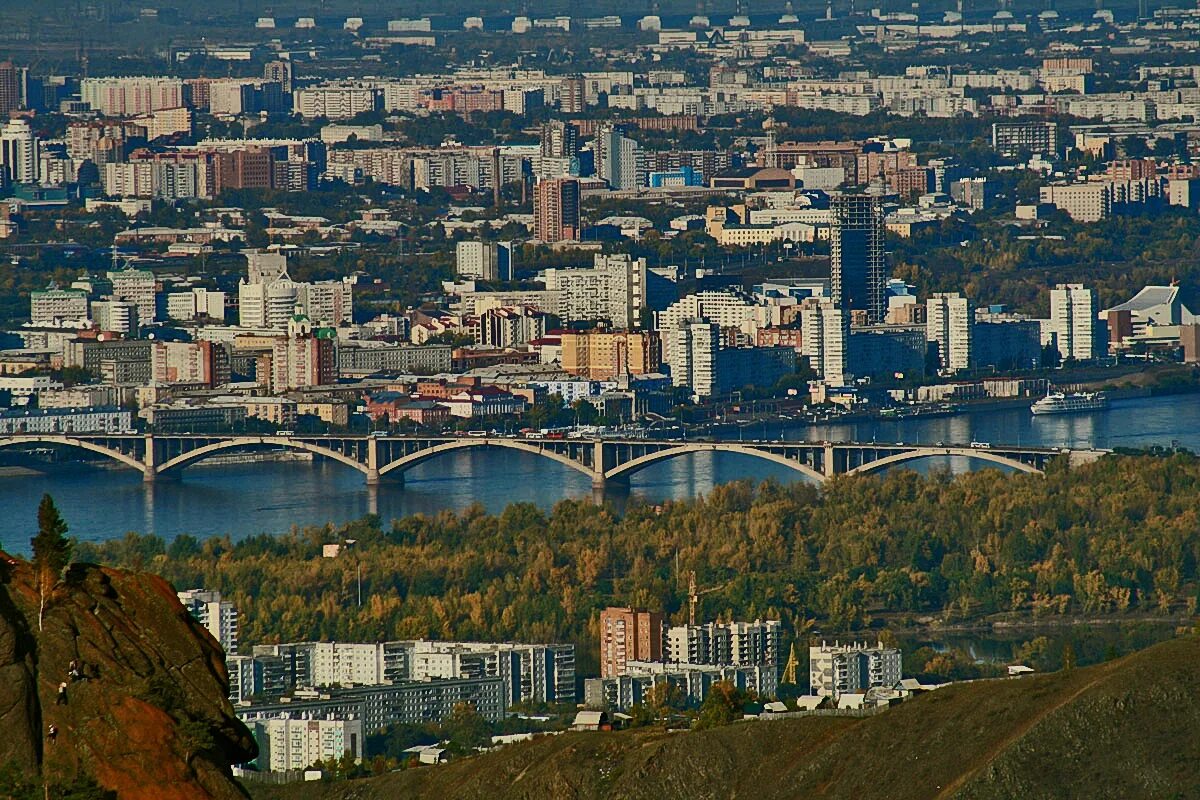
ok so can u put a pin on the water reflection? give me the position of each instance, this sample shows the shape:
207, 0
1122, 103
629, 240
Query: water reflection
268, 497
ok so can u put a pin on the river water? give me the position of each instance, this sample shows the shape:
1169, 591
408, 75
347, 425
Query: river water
270, 497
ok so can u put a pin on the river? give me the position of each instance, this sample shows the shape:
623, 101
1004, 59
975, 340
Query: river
270, 497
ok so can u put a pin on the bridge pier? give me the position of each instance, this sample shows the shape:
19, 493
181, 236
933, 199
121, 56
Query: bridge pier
394, 478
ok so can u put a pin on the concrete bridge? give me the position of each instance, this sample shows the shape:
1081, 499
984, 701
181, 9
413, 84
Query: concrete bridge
604, 461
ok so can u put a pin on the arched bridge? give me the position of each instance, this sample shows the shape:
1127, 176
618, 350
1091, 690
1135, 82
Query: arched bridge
604, 461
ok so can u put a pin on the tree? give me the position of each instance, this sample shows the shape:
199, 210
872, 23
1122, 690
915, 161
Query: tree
51, 551
1068, 657
722, 706
466, 729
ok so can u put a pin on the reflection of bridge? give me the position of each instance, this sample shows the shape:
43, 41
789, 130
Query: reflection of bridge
605, 461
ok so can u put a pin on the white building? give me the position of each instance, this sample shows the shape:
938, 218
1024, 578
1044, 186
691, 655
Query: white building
58, 308
694, 346
195, 303
135, 286
217, 615
838, 669
727, 308
72, 420
358, 664
287, 744
730, 643
23, 387
328, 303
617, 160
19, 152
949, 325
612, 289
826, 332
116, 316
1075, 329
489, 261
540, 673
334, 101
131, 96
267, 305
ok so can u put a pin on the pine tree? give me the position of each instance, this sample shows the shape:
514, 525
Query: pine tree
51, 551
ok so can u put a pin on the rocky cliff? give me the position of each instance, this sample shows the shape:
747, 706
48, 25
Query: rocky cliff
144, 712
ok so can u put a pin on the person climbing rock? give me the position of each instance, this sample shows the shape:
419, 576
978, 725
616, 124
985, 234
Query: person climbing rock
52, 733
73, 671
62, 694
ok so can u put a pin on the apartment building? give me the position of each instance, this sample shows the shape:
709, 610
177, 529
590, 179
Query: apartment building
629, 634
837, 669
949, 327
218, 616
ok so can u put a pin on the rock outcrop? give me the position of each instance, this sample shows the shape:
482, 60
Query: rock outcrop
145, 713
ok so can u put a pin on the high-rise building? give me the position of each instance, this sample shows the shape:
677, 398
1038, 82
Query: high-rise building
131, 96
571, 96
618, 160
695, 343
217, 615
328, 303
605, 354
489, 261
949, 326
115, 316
1012, 139
857, 263
560, 139
629, 634
836, 669
825, 339
279, 72
136, 286
511, 326
10, 88
612, 290
267, 305
732, 310
1075, 328
19, 152
201, 362
728, 643
305, 357
556, 210
264, 266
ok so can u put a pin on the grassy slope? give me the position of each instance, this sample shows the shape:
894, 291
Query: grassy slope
1129, 728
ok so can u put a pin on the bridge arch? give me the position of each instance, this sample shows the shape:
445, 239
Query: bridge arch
200, 453
932, 452
412, 459
642, 462
69, 441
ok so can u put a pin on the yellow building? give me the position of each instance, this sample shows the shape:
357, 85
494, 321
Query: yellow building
601, 354
334, 412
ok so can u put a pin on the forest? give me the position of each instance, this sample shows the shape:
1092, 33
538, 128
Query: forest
1117, 537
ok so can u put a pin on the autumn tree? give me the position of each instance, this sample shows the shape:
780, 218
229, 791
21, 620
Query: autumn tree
51, 552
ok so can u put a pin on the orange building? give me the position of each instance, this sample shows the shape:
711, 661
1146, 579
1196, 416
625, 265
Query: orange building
601, 354
629, 634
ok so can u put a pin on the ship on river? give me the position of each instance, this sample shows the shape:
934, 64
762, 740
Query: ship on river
1074, 403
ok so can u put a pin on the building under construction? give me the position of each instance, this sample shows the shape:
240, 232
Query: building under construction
857, 263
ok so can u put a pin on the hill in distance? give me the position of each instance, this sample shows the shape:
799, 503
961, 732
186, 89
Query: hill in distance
1129, 728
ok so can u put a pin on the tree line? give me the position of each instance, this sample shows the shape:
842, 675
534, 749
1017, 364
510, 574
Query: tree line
1117, 537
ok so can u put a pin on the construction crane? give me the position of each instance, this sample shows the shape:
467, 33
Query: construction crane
695, 594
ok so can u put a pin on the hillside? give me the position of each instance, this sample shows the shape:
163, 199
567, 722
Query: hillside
147, 717
1128, 728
